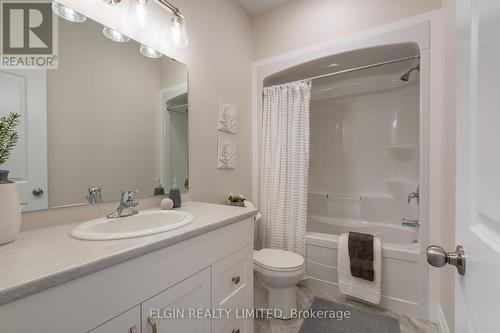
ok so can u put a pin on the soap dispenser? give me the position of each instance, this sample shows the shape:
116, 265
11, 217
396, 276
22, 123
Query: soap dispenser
175, 194
159, 190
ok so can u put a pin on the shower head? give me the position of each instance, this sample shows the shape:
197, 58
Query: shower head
406, 76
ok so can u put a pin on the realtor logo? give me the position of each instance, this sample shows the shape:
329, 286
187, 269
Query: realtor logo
28, 35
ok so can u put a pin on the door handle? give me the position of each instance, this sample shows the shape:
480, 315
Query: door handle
438, 257
38, 192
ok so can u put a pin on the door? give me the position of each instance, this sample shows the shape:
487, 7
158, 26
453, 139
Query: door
127, 322
25, 92
172, 310
477, 293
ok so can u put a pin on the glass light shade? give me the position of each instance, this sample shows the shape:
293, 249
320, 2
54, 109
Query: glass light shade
112, 2
149, 52
115, 35
179, 32
140, 14
67, 13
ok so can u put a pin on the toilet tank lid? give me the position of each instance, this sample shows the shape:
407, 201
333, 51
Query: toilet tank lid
276, 258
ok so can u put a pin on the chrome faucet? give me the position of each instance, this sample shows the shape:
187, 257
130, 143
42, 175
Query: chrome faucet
126, 207
410, 223
414, 195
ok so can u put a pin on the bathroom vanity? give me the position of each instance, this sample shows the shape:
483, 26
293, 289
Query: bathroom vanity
52, 282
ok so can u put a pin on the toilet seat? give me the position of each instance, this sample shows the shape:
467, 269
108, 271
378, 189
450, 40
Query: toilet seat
278, 260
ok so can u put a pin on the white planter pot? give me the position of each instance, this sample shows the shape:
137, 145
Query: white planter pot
10, 213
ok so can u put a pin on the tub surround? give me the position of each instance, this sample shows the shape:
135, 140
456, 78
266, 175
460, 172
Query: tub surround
46, 257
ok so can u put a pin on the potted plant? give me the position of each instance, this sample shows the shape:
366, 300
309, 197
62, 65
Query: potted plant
236, 200
10, 208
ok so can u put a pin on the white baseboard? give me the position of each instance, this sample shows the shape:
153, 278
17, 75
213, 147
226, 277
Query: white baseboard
442, 323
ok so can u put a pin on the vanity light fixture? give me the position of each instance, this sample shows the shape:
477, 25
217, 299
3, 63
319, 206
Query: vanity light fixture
115, 35
67, 13
149, 52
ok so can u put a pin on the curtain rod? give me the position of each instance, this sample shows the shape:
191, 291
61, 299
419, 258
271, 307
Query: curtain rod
361, 67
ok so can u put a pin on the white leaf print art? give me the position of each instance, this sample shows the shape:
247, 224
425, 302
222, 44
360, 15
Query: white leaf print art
226, 150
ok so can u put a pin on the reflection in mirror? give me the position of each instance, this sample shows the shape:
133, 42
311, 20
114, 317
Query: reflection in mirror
113, 116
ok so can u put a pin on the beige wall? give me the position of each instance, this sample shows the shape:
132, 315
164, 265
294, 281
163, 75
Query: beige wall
448, 221
302, 23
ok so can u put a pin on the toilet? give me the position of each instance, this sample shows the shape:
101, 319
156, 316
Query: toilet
279, 271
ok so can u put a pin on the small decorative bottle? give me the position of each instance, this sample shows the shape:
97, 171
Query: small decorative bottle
175, 194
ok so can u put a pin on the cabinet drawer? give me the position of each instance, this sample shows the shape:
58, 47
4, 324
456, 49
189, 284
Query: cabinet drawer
230, 276
127, 322
239, 306
232, 289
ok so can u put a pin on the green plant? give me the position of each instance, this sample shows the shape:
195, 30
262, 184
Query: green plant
8, 135
236, 198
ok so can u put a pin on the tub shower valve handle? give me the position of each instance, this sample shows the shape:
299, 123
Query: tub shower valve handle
438, 257
414, 195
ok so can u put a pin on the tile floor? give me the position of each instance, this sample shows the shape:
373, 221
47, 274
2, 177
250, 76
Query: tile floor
305, 296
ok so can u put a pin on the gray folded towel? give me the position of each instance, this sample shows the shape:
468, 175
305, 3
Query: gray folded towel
361, 255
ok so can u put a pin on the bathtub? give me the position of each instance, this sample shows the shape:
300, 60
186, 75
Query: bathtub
401, 260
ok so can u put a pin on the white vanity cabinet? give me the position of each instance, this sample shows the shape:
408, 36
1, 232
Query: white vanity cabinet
210, 271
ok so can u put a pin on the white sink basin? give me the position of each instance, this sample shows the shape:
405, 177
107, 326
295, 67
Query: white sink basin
145, 223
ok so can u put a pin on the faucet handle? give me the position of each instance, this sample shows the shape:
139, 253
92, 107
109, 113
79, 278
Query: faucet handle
128, 195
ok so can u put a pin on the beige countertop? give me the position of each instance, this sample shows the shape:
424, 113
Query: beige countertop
43, 258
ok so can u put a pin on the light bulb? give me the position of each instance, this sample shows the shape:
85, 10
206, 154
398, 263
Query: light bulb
67, 13
179, 31
115, 35
139, 13
149, 52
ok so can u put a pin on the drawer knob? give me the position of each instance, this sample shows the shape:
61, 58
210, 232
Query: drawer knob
133, 329
236, 331
236, 280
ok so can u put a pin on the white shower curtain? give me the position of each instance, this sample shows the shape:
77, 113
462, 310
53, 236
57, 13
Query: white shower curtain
285, 167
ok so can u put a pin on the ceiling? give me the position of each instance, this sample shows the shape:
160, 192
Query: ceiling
258, 6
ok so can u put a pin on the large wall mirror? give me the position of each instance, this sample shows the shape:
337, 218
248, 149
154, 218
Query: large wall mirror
113, 117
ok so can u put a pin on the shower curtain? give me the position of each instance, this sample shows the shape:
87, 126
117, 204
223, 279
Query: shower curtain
285, 167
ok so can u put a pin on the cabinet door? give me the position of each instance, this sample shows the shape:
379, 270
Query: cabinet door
172, 310
127, 322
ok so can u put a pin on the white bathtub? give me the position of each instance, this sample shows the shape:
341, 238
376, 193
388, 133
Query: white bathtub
401, 260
